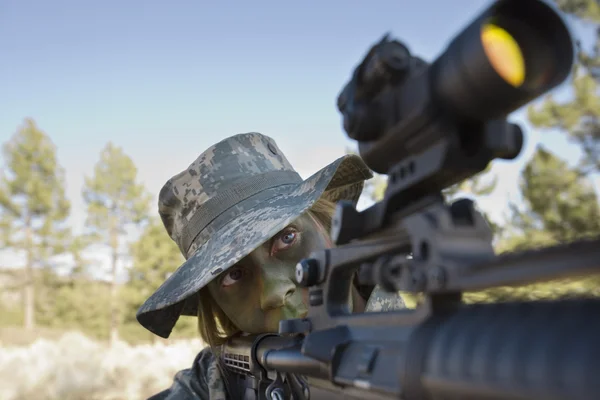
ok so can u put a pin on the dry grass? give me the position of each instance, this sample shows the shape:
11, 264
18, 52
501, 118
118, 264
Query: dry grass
77, 368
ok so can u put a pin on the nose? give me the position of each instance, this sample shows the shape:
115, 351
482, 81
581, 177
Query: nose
275, 292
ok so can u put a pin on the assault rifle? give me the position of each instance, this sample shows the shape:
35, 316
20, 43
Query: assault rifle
428, 126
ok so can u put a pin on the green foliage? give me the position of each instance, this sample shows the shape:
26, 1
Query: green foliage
80, 304
587, 10
560, 205
556, 289
64, 303
551, 290
154, 257
10, 316
32, 195
375, 187
61, 303
33, 204
579, 116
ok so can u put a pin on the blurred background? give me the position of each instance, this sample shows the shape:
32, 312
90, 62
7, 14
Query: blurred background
102, 102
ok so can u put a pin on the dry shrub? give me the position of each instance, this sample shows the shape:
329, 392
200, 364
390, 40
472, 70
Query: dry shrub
77, 368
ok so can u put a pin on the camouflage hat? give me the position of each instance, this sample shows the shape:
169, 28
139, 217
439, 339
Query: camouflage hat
236, 195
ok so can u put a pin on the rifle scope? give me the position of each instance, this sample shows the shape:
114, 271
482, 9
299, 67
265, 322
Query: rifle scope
396, 105
512, 53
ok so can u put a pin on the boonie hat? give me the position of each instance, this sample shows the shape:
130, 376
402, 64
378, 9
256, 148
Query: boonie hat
234, 197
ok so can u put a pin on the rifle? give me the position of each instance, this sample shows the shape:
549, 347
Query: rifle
428, 126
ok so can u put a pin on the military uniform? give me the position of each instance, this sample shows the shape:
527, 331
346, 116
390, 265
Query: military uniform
235, 196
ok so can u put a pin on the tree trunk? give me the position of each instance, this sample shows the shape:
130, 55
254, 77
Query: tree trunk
29, 279
114, 315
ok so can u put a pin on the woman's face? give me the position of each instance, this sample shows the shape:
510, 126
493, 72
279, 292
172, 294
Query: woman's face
261, 289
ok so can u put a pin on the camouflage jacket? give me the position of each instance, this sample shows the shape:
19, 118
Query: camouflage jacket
203, 381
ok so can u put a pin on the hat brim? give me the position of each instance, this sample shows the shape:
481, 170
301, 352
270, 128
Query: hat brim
341, 180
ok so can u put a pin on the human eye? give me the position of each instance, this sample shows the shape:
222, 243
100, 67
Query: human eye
284, 240
232, 277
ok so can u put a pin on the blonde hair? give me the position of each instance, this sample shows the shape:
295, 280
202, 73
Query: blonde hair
214, 325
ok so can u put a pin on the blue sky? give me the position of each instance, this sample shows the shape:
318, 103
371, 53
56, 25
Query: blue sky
165, 80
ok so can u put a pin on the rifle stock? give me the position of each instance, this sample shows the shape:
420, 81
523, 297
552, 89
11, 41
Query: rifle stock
429, 126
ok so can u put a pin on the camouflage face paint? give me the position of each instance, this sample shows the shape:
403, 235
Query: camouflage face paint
261, 289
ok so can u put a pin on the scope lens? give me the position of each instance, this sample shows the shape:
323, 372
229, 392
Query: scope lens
504, 54
512, 53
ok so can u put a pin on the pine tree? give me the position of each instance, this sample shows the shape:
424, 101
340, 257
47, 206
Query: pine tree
579, 117
114, 202
33, 205
560, 205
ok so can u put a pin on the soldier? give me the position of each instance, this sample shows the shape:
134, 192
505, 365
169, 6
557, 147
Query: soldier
243, 218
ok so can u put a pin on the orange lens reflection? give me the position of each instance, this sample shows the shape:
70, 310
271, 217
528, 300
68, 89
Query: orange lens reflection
504, 54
